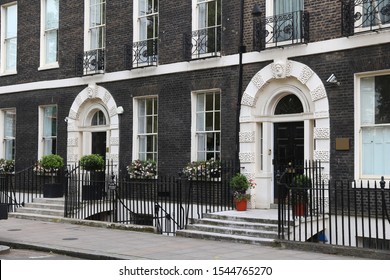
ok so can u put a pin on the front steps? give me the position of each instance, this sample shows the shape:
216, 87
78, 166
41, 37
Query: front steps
44, 209
251, 230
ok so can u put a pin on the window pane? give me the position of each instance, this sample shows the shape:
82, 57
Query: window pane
149, 124
367, 100
51, 46
209, 102
217, 121
9, 149
200, 124
10, 124
382, 98
11, 52
11, 21
209, 121
52, 14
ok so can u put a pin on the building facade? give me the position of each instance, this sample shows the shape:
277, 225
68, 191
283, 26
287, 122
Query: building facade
264, 82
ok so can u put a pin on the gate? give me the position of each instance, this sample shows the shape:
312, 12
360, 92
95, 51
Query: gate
166, 202
312, 209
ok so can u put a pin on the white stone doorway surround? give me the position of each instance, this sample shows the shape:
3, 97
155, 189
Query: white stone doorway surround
257, 118
87, 102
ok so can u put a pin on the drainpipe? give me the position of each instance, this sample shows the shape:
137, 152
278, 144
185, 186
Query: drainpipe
241, 50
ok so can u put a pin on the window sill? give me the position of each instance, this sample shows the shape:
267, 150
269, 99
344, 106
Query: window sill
8, 73
49, 66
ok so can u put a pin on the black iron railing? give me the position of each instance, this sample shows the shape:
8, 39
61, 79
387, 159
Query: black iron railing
143, 53
312, 209
364, 15
283, 29
203, 43
90, 62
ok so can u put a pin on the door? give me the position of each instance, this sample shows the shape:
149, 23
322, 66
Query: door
99, 143
288, 149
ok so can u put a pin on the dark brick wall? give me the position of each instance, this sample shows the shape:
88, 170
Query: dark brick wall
174, 97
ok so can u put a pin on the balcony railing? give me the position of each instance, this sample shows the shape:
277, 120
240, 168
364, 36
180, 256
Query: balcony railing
364, 15
281, 30
143, 53
90, 63
203, 43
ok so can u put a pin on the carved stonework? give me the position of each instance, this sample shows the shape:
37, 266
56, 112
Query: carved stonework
106, 97
258, 81
72, 157
113, 111
73, 115
318, 93
113, 157
79, 100
114, 141
289, 67
278, 70
92, 92
321, 114
247, 100
250, 176
247, 157
247, 137
321, 133
321, 155
305, 75
73, 142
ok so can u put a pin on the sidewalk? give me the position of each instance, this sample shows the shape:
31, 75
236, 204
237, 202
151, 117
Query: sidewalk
73, 238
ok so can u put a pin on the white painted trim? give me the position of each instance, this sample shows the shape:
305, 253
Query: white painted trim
340, 44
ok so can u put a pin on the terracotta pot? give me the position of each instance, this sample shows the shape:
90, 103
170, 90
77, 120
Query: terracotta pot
299, 209
241, 205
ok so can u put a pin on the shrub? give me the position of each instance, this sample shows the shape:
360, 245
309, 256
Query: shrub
92, 162
7, 166
51, 162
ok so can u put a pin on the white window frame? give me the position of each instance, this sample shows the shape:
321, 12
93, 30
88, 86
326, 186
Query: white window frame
195, 27
358, 24
269, 12
43, 50
136, 128
137, 33
3, 46
2, 132
41, 136
88, 28
358, 128
194, 132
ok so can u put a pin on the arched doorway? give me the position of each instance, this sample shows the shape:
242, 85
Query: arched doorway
284, 117
93, 125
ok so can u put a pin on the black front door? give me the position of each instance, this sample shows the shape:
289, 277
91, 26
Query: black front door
288, 148
99, 143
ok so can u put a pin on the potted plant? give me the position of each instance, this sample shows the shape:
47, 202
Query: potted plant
240, 184
142, 169
93, 163
203, 170
50, 165
299, 191
6, 167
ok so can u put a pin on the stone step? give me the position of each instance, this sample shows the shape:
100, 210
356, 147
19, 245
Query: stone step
45, 206
41, 211
34, 216
240, 218
224, 237
55, 201
238, 224
227, 230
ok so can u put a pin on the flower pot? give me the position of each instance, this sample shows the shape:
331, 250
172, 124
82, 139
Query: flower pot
92, 192
241, 205
3, 211
299, 209
53, 190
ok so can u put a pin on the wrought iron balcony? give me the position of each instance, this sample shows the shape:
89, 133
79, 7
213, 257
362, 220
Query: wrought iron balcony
142, 54
203, 43
364, 15
281, 30
90, 63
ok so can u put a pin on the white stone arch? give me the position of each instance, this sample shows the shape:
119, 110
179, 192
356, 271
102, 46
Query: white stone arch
257, 117
88, 101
